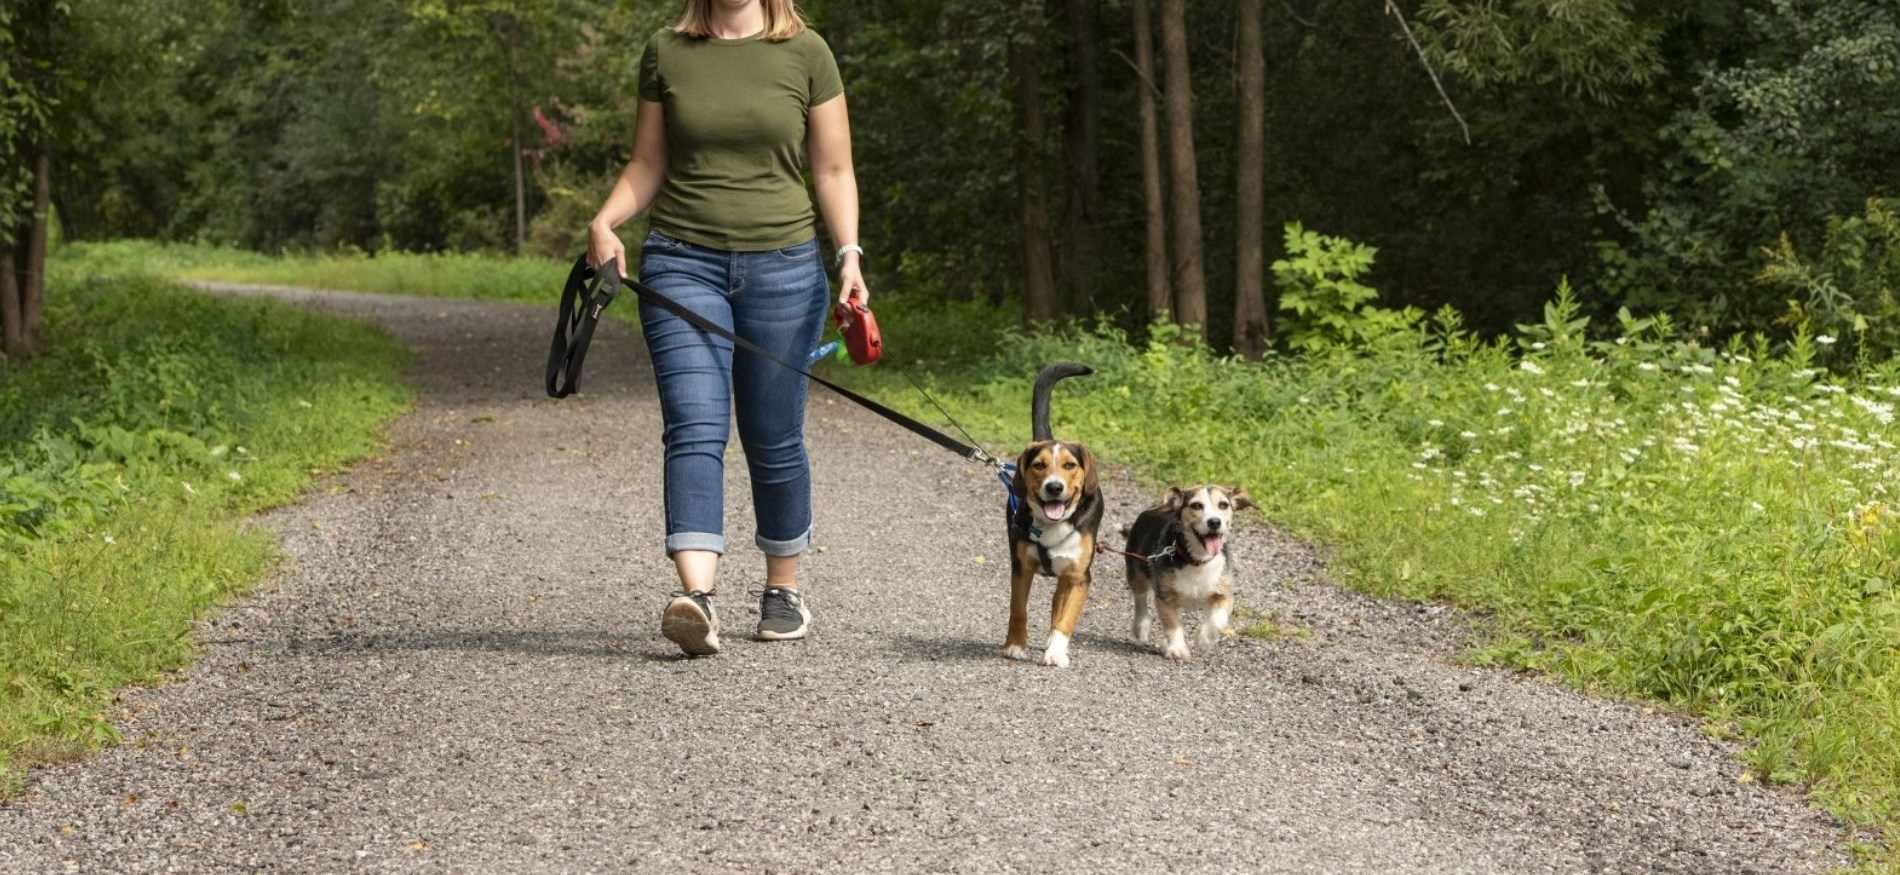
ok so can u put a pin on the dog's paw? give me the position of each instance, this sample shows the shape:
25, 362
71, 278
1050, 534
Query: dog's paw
1144, 631
1016, 652
1057, 653
1209, 636
1178, 650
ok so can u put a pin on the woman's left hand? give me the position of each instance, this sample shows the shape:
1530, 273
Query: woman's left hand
851, 282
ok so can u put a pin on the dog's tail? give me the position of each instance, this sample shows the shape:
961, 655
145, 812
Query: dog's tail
1039, 401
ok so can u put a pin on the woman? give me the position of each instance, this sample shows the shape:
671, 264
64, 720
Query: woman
731, 97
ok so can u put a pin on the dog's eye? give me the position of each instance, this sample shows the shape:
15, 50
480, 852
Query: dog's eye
1068, 466
1198, 506
1223, 505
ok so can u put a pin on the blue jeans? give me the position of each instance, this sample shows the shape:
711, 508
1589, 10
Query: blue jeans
776, 299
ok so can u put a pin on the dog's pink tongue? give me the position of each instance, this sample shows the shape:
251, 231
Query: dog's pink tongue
1055, 510
1212, 544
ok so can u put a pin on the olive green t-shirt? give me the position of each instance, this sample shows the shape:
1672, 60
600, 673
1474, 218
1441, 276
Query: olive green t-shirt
735, 136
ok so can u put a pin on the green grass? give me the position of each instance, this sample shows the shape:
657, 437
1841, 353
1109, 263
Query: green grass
131, 455
1713, 528
433, 274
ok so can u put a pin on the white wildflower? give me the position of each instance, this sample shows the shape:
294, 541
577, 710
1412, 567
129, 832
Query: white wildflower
1824, 339
1530, 367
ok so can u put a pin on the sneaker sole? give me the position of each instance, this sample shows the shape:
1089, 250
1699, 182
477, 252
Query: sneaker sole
685, 626
782, 636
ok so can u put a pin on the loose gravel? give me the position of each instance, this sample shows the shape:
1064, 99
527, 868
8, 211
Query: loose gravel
458, 669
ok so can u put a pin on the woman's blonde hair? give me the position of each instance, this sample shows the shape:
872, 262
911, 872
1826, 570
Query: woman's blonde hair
782, 20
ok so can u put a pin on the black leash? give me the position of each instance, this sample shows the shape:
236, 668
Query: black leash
581, 306
568, 354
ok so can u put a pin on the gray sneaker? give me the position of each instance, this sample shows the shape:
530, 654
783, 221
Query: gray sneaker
691, 622
782, 615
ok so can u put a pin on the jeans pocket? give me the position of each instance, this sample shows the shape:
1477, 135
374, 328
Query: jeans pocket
805, 251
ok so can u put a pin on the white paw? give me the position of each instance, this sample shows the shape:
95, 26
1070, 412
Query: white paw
1016, 652
1209, 636
1144, 630
1178, 650
1057, 653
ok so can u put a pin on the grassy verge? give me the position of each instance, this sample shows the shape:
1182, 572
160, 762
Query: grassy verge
400, 273
131, 454
1714, 528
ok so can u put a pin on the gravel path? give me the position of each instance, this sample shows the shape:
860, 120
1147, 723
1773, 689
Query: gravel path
459, 670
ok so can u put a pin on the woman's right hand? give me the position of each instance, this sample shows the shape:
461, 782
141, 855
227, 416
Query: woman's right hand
603, 245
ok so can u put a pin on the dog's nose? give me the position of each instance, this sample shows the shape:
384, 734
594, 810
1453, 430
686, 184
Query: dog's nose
1052, 488
1214, 524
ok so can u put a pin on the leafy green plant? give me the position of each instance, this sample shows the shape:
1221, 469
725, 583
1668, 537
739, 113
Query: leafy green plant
1847, 289
1320, 289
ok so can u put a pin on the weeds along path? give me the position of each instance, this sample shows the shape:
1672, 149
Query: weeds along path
458, 669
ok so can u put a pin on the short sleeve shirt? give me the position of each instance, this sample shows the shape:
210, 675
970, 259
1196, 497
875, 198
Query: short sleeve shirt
736, 114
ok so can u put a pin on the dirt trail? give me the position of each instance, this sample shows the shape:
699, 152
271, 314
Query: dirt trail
458, 670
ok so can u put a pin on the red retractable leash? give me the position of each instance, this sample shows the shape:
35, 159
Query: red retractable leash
858, 326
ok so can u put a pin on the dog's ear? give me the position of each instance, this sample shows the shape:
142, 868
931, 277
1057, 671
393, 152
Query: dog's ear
1171, 503
1240, 498
1091, 482
1016, 483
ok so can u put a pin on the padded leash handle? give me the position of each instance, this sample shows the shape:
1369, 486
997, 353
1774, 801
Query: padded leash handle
581, 307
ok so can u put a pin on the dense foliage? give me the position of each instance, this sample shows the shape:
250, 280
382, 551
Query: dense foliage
1663, 156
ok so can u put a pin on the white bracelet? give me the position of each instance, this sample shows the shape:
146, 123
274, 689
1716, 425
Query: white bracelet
848, 247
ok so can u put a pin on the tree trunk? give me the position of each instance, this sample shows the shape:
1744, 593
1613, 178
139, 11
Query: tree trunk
1252, 332
1081, 221
1190, 278
514, 137
1025, 62
1154, 206
13, 340
33, 282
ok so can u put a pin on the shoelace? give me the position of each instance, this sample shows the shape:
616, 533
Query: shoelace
779, 603
702, 597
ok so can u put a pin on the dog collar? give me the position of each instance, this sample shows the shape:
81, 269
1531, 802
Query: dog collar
1181, 556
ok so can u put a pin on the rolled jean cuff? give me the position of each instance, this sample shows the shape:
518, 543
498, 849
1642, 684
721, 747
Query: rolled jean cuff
794, 547
696, 541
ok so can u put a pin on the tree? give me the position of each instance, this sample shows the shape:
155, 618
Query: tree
1190, 278
29, 94
1154, 204
1252, 332
1081, 137
1025, 64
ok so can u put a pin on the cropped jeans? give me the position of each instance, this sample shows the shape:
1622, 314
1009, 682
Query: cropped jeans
777, 299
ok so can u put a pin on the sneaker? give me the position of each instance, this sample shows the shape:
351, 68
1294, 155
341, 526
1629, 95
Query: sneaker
782, 615
691, 622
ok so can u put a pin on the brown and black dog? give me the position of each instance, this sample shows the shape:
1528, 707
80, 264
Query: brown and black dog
1055, 510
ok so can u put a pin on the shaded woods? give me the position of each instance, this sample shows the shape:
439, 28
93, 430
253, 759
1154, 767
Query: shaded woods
1727, 162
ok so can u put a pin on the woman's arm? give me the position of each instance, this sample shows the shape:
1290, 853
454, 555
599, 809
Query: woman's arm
828, 139
636, 188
